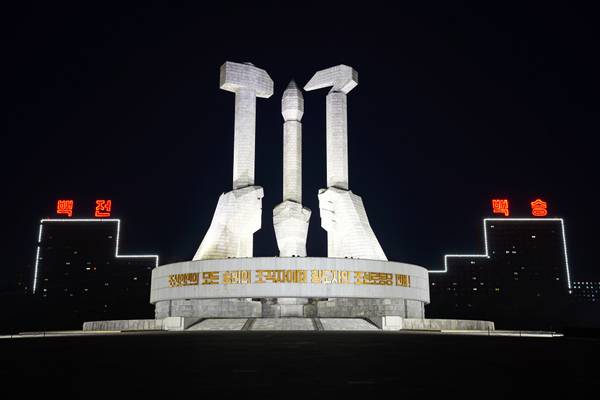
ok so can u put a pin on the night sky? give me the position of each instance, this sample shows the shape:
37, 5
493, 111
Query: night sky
454, 107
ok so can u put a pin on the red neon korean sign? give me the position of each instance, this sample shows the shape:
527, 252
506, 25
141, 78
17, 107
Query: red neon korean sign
103, 208
539, 208
500, 206
65, 207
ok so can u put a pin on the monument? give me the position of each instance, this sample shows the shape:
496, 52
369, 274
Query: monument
290, 218
355, 287
238, 212
343, 214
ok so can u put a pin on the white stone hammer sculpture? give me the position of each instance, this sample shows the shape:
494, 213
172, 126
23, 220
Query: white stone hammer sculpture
238, 212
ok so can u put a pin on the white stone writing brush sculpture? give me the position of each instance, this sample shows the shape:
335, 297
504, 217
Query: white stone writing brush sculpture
290, 218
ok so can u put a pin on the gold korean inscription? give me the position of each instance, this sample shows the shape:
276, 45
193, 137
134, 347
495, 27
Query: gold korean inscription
317, 276
189, 279
232, 277
280, 276
210, 277
402, 280
373, 278
329, 276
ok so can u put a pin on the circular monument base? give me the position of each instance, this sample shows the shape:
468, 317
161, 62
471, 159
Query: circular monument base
278, 287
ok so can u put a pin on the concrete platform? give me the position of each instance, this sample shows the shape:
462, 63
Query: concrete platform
283, 324
391, 323
232, 324
347, 324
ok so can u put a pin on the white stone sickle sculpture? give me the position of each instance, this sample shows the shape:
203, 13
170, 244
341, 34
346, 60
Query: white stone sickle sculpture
343, 215
238, 213
290, 218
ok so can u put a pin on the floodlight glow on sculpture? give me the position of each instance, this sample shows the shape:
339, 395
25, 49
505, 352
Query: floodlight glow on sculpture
343, 214
238, 212
225, 281
225, 287
290, 218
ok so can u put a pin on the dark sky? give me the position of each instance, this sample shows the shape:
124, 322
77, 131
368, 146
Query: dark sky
455, 106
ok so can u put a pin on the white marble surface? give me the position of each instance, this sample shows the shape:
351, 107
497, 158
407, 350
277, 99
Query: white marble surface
231, 232
160, 289
343, 214
349, 233
238, 212
223, 324
347, 324
290, 218
283, 324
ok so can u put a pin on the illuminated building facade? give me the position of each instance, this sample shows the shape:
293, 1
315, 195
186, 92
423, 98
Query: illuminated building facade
586, 292
584, 307
79, 274
521, 281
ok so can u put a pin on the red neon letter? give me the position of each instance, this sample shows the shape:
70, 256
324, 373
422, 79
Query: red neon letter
103, 208
65, 207
539, 208
500, 206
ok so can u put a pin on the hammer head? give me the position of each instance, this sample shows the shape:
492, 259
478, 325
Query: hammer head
236, 76
341, 78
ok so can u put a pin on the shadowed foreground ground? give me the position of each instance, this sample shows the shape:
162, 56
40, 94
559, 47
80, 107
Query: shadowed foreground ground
282, 364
